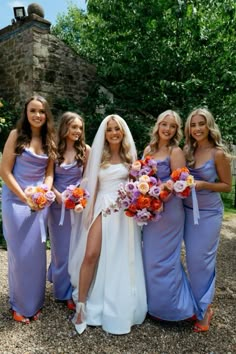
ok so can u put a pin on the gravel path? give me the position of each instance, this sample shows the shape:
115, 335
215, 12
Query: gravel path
54, 333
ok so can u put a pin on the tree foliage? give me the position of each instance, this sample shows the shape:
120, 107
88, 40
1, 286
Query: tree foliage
154, 55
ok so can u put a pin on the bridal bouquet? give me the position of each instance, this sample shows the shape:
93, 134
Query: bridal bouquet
143, 196
183, 182
39, 197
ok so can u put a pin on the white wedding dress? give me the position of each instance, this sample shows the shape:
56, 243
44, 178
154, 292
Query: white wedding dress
117, 297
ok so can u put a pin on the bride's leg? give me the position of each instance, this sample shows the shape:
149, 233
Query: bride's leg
92, 253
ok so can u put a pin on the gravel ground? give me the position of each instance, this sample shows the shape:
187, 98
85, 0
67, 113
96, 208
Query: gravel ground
54, 333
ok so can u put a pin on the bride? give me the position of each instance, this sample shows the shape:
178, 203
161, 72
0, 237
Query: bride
105, 260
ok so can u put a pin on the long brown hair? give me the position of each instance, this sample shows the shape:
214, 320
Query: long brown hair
66, 119
47, 131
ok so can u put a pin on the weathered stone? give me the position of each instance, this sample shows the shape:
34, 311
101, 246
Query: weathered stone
35, 61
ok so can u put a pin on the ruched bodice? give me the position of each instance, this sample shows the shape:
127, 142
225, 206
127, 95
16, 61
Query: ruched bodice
66, 174
163, 169
207, 199
111, 177
29, 168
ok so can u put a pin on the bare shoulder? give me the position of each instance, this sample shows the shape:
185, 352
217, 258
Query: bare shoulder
176, 151
220, 154
13, 134
146, 150
11, 140
88, 148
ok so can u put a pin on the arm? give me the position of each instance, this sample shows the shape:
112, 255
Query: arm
7, 164
49, 174
223, 169
177, 159
88, 148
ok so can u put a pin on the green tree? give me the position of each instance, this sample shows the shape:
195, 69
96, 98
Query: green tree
155, 55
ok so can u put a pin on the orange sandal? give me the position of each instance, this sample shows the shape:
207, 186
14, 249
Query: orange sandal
70, 305
37, 316
19, 318
198, 327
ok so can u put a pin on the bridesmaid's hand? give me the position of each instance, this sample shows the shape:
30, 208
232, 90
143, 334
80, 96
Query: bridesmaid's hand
199, 185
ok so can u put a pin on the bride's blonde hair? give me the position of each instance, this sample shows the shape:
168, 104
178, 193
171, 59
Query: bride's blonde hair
125, 153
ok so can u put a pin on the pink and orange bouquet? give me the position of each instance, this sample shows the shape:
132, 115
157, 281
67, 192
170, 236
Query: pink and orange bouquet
39, 197
75, 197
148, 167
183, 182
143, 196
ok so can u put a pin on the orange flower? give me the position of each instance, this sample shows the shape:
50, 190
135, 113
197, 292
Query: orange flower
39, 190
41, 201
156, 204
129, 213
78, 193
132, 208
175, 174
185, 169
164, 194
143, 202
69, 204
186, 192
83, 202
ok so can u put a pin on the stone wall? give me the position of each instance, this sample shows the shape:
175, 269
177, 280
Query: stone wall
32, 60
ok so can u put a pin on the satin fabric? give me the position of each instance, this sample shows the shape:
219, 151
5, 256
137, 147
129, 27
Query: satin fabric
117, 297
21, 228
202, 240
168, 292
64, 175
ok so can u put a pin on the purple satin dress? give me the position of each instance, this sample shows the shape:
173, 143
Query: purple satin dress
21, 229
64, 175
168, 292
202, 240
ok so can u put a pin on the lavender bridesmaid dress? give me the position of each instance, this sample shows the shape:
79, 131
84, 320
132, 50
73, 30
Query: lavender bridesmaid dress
21, 229
168, 292
64, 176
202, 240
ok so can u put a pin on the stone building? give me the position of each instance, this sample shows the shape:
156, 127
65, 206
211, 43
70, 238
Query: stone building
32, 60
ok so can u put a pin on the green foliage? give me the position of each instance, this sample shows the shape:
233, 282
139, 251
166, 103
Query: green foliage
154, 55
8, 118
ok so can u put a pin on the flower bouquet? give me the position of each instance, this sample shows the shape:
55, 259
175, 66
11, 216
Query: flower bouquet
143, 196
38, 198
183, 186
75, 199
183, 182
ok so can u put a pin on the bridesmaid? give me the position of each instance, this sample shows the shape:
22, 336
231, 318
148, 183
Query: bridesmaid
72, 156
27, 160
209, 162
168, 293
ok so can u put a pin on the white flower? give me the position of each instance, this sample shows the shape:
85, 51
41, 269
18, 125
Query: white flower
180, 186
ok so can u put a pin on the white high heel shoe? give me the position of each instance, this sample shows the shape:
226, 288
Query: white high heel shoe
80, 309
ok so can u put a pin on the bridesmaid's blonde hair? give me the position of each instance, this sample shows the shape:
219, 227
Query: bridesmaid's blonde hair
214, 135
174, 141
